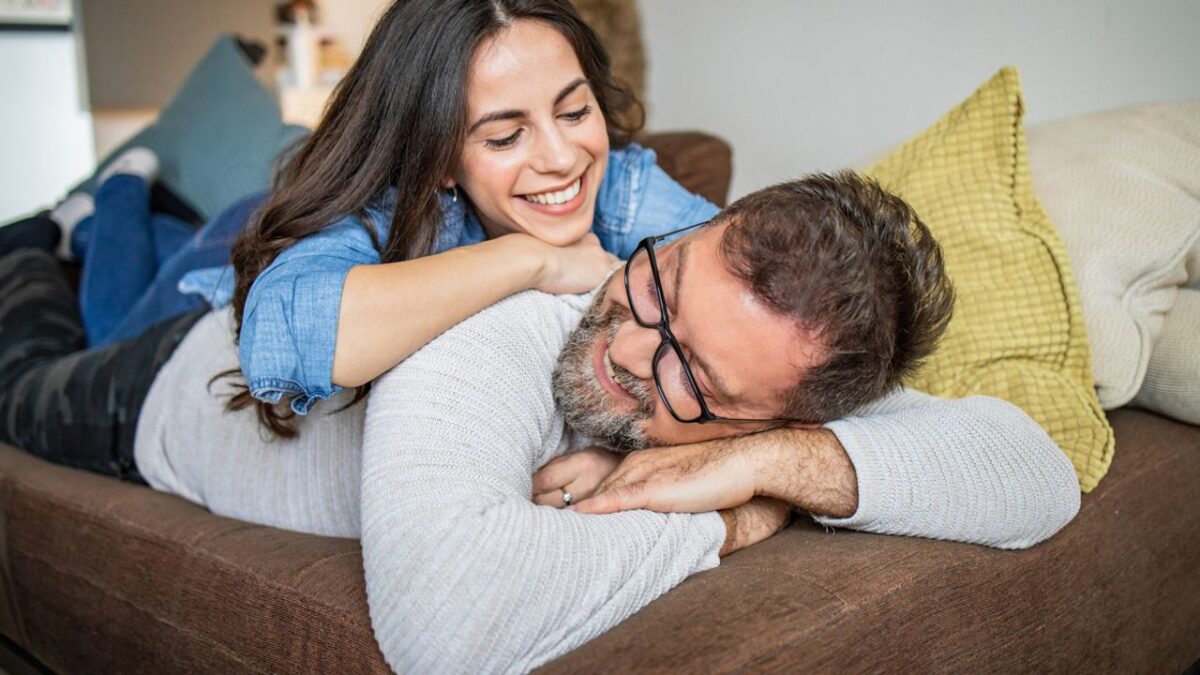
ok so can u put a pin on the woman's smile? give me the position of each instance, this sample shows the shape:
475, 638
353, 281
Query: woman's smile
560, 201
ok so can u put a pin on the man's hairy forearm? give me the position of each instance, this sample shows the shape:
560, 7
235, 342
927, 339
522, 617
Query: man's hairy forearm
807, 468
752, 522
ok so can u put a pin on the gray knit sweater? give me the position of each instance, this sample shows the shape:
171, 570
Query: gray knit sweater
464, 573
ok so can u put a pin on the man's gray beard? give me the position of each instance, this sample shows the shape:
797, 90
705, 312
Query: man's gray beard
584, 401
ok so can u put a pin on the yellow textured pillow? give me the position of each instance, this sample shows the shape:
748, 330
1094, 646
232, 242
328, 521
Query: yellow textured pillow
1018, 331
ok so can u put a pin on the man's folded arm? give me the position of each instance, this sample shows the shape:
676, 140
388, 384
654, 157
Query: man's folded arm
464, 572
976, 470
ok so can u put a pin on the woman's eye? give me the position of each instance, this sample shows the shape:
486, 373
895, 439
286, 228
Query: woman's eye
500, 143
578, 114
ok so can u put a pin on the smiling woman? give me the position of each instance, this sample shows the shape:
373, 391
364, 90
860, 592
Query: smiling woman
476, 148
534, 151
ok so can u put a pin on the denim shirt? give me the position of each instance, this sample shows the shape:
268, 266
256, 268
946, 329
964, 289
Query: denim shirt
289, 328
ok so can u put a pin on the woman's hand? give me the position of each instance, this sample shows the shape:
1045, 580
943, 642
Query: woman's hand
578, 473
577, 268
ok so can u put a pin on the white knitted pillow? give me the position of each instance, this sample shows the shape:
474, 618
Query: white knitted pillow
1123, 187
1172, 384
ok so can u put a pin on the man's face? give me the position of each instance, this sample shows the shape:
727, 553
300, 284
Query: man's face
744, 356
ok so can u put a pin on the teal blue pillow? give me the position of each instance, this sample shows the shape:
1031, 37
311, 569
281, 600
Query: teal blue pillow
218, 138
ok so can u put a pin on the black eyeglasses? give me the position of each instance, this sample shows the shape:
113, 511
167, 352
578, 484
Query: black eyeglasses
672, 376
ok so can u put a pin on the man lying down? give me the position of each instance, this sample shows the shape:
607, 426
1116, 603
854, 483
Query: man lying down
800, 305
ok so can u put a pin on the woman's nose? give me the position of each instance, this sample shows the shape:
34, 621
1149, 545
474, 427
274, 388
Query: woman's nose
554, 153
633, 349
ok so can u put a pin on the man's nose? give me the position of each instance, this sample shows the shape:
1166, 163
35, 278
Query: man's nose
554, 152
633, 349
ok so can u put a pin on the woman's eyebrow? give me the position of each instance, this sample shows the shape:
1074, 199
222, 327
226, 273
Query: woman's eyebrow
516, 114
566, 91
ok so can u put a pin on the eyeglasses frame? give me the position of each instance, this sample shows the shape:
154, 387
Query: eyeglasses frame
663, 326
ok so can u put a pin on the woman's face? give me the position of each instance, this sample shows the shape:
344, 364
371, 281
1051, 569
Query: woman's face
536, 145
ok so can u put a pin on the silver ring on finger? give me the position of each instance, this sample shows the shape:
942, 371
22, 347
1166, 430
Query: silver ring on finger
566, 498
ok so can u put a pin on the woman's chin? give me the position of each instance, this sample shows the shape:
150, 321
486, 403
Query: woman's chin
560, 231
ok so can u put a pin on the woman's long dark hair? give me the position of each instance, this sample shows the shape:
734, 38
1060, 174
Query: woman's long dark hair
398, 120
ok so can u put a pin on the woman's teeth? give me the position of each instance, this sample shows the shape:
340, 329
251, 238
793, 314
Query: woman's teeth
560, 197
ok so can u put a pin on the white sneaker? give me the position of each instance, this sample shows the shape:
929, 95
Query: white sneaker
68, 214
137, 161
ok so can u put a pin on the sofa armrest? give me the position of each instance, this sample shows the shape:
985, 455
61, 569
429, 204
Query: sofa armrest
700, 162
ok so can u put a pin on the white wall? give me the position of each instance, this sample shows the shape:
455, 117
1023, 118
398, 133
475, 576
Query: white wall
45, 135
804, 85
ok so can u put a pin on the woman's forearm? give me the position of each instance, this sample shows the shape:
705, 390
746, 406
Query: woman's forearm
388, 311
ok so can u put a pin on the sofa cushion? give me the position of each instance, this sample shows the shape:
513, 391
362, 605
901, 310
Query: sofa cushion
218, 138
1172, 383
1123, 187
1018, 331
109, 577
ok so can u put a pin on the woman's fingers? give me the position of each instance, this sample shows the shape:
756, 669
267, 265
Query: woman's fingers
578, 489
551, 498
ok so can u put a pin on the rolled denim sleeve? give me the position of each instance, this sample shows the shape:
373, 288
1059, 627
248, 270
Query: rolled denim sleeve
289, 328
639, 200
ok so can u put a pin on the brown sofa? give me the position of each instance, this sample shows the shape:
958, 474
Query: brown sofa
98, 576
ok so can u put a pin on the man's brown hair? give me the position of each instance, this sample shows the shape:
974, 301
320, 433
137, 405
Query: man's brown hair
853, 263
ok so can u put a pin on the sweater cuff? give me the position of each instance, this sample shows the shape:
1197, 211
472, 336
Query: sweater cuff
878, 497
710, 537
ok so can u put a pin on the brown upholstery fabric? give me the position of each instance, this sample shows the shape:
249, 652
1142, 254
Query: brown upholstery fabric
110, 577
1118, 590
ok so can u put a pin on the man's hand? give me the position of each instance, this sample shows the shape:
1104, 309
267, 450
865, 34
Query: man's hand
578, 473
807, 468
752, 522
682, 479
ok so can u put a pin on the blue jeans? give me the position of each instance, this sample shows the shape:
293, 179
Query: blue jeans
135, 259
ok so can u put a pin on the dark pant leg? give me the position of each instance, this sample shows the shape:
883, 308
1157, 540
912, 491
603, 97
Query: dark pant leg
78, 408
35, 232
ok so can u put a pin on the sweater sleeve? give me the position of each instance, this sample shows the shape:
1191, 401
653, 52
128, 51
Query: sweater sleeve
976, 470
464, 573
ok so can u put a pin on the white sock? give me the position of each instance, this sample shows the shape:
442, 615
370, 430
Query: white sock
136, 161
68, 214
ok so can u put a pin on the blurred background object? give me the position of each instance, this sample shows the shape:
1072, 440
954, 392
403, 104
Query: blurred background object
136, 53
794, 85
35, 14
45, 130
619, 26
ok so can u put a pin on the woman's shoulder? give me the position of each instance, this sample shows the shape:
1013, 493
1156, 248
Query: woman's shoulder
629, 161
620, 191
639, 199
